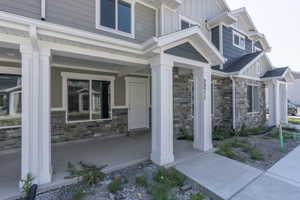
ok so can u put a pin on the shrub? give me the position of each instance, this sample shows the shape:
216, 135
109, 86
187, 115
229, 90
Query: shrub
116, 185
26, 184
141, 181
256, 155
184, 135
169, 177
90, 174
197, 196
220, 134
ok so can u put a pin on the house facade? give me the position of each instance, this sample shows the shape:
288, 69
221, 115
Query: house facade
293, 89
105, 68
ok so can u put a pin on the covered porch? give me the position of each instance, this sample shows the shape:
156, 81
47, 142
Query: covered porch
128, 150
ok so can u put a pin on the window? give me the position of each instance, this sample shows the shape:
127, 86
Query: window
117, 15
253, 98
239, 40
87, 97
10, 100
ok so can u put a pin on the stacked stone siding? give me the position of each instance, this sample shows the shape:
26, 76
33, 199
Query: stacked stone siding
243, 118
222, 100
182, 100
10, 138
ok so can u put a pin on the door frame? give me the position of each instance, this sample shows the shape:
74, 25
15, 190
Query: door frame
144, 80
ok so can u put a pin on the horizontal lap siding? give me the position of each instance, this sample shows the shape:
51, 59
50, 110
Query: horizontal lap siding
215, 37
81, 14
144, 22
231, 52
27, 8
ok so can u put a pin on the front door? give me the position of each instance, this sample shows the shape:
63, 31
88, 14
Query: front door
137, 102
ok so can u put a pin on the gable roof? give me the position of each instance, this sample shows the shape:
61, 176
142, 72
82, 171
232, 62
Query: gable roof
242, 62
277, 72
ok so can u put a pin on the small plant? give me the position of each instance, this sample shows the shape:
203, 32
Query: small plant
79, 195
161, 192
89, 174
227, 151
141, 181
115, 185
169, 177
220, 134
184, 135
256, 155
197, 196
26, 184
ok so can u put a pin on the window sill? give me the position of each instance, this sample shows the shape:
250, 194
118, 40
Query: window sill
240, 47
86, 121
111, 30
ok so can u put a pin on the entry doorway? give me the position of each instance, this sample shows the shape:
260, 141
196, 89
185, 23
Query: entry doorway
137, 96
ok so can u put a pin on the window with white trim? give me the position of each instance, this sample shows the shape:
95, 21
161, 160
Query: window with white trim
116, 16
10, 100
239, 40
87, 99
186, 23
253, 98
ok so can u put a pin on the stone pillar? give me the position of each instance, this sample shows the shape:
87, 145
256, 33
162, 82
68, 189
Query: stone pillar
162, 110
36, 133
202, 112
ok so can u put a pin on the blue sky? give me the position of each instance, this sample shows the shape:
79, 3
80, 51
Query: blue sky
279, 20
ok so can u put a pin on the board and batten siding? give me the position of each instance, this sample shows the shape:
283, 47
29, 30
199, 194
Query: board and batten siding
195, 10
145, 22
258, 69
26, 8
231, 52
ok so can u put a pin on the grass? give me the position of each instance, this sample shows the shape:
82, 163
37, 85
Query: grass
293, 120
169, 177
197, 196
275, 135
290, 129
161, 192
227, 150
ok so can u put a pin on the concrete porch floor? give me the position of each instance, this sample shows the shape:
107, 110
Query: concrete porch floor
115, 152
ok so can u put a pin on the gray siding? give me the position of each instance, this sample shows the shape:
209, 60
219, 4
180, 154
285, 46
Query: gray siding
81, 14
231, 52
186, 50
144, 22
215, 37
27, 8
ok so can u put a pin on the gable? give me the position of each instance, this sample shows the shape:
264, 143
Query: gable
186, 50
258, 68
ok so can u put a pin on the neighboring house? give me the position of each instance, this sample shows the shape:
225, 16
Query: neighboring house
82, 57
294, 89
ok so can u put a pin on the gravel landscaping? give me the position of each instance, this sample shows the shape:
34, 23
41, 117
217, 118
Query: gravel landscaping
144, 181
260, 151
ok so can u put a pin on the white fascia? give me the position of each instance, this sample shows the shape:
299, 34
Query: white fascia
225, 18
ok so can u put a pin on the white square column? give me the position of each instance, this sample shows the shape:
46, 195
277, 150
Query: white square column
162, 110
284, 103
36, 131
202, 109
274, 103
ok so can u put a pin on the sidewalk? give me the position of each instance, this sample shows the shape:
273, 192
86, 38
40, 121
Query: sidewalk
228, 179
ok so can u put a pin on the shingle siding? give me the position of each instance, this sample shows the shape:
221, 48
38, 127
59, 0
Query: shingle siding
231, 52
27, 8
215, 38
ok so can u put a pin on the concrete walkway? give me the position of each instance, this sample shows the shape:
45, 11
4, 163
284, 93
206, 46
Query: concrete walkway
228, 179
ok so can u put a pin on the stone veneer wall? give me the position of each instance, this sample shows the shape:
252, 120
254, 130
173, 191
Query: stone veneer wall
243, 118
222, 99
10, 138
182, 100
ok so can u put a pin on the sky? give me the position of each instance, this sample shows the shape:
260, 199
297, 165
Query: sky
279, 20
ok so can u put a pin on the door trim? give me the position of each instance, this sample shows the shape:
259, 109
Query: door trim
138, 80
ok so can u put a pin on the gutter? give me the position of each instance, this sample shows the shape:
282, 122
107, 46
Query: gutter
233, 103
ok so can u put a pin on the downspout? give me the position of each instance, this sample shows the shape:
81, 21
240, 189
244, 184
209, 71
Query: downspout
43, 10
233, 103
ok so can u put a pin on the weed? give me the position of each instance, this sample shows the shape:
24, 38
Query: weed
116, 185
169, 177
255, 155
227, 151
79, 195
141, 181
26, 184
90, 174
197, 196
